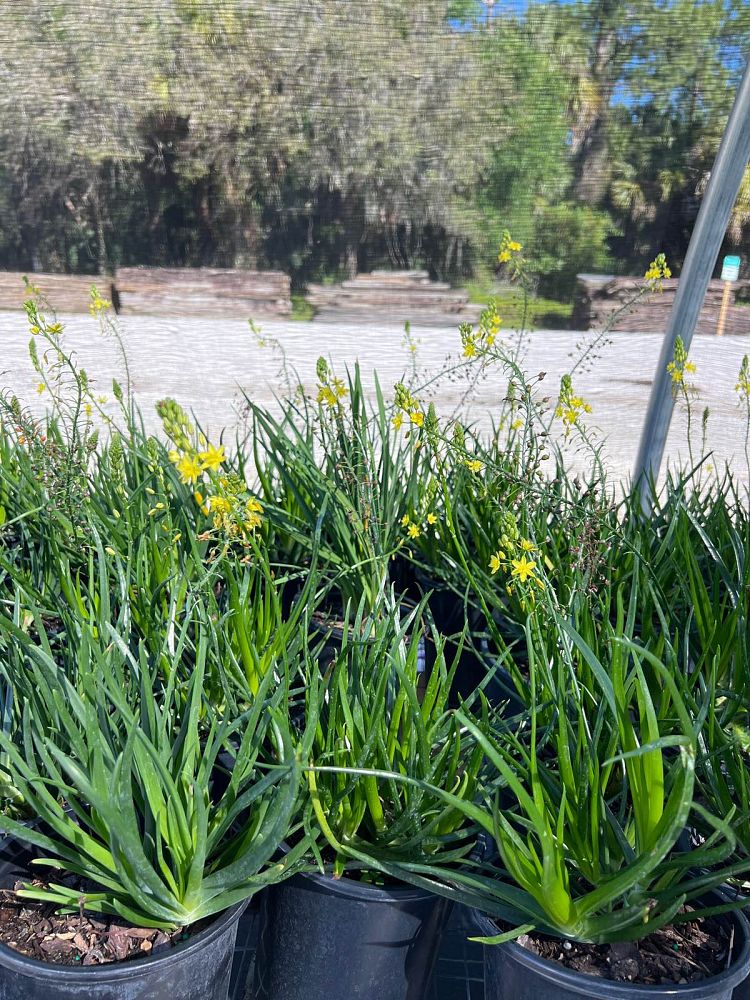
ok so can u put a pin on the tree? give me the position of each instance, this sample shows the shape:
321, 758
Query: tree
401, 120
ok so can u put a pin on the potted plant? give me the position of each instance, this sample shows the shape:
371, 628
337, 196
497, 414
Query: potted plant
587, 808
369, 742
337, 477
148, 857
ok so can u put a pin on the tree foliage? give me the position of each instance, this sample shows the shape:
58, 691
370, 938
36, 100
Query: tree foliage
326, 138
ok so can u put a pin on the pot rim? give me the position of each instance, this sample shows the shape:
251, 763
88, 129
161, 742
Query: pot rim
595, 987
133, 968
354, 889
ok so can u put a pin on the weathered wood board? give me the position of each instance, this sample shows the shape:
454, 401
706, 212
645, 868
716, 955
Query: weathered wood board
394, 295
166, 291
161, 291
67, 293
601, 301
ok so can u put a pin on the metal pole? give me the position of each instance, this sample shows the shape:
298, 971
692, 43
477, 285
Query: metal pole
705, 243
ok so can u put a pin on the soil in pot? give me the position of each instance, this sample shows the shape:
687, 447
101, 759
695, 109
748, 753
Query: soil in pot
683, 953
36, 930
85, 957
324, 938
700, 959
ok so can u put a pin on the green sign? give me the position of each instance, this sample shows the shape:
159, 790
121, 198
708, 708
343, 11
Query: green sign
730, 269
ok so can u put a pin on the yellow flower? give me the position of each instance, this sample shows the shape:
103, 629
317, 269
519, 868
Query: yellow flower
405, 521
326, 396
496, 562
657, 272
252, 523
413, 531
523, 568
331, 389
570, 406
339, 389
516, 425
40, 388
470, 348
679, 366
219, 505
431, 519
407, 405
508, 247
189, 468
253, 506
527, 546
473, 465
213, 458
97, 303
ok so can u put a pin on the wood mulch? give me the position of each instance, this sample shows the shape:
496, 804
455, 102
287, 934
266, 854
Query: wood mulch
35, 930
682, 953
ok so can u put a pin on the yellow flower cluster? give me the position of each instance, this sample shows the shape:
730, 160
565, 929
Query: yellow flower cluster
234, 510
473, 464
658, 271
679, 367
98, 305
416, 527
480, 340
192, 464
407, 407
331, 389
743, 381
570, 407
514, 558
508, 247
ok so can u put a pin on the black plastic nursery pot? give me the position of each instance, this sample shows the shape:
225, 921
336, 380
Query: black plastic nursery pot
323, 939
472, 670
333, 636
512, 972
449, 614
446, 607
198, 969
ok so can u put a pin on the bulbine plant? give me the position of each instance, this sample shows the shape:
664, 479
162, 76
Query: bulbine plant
378, 737
338, 476
588, 804
124, 782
